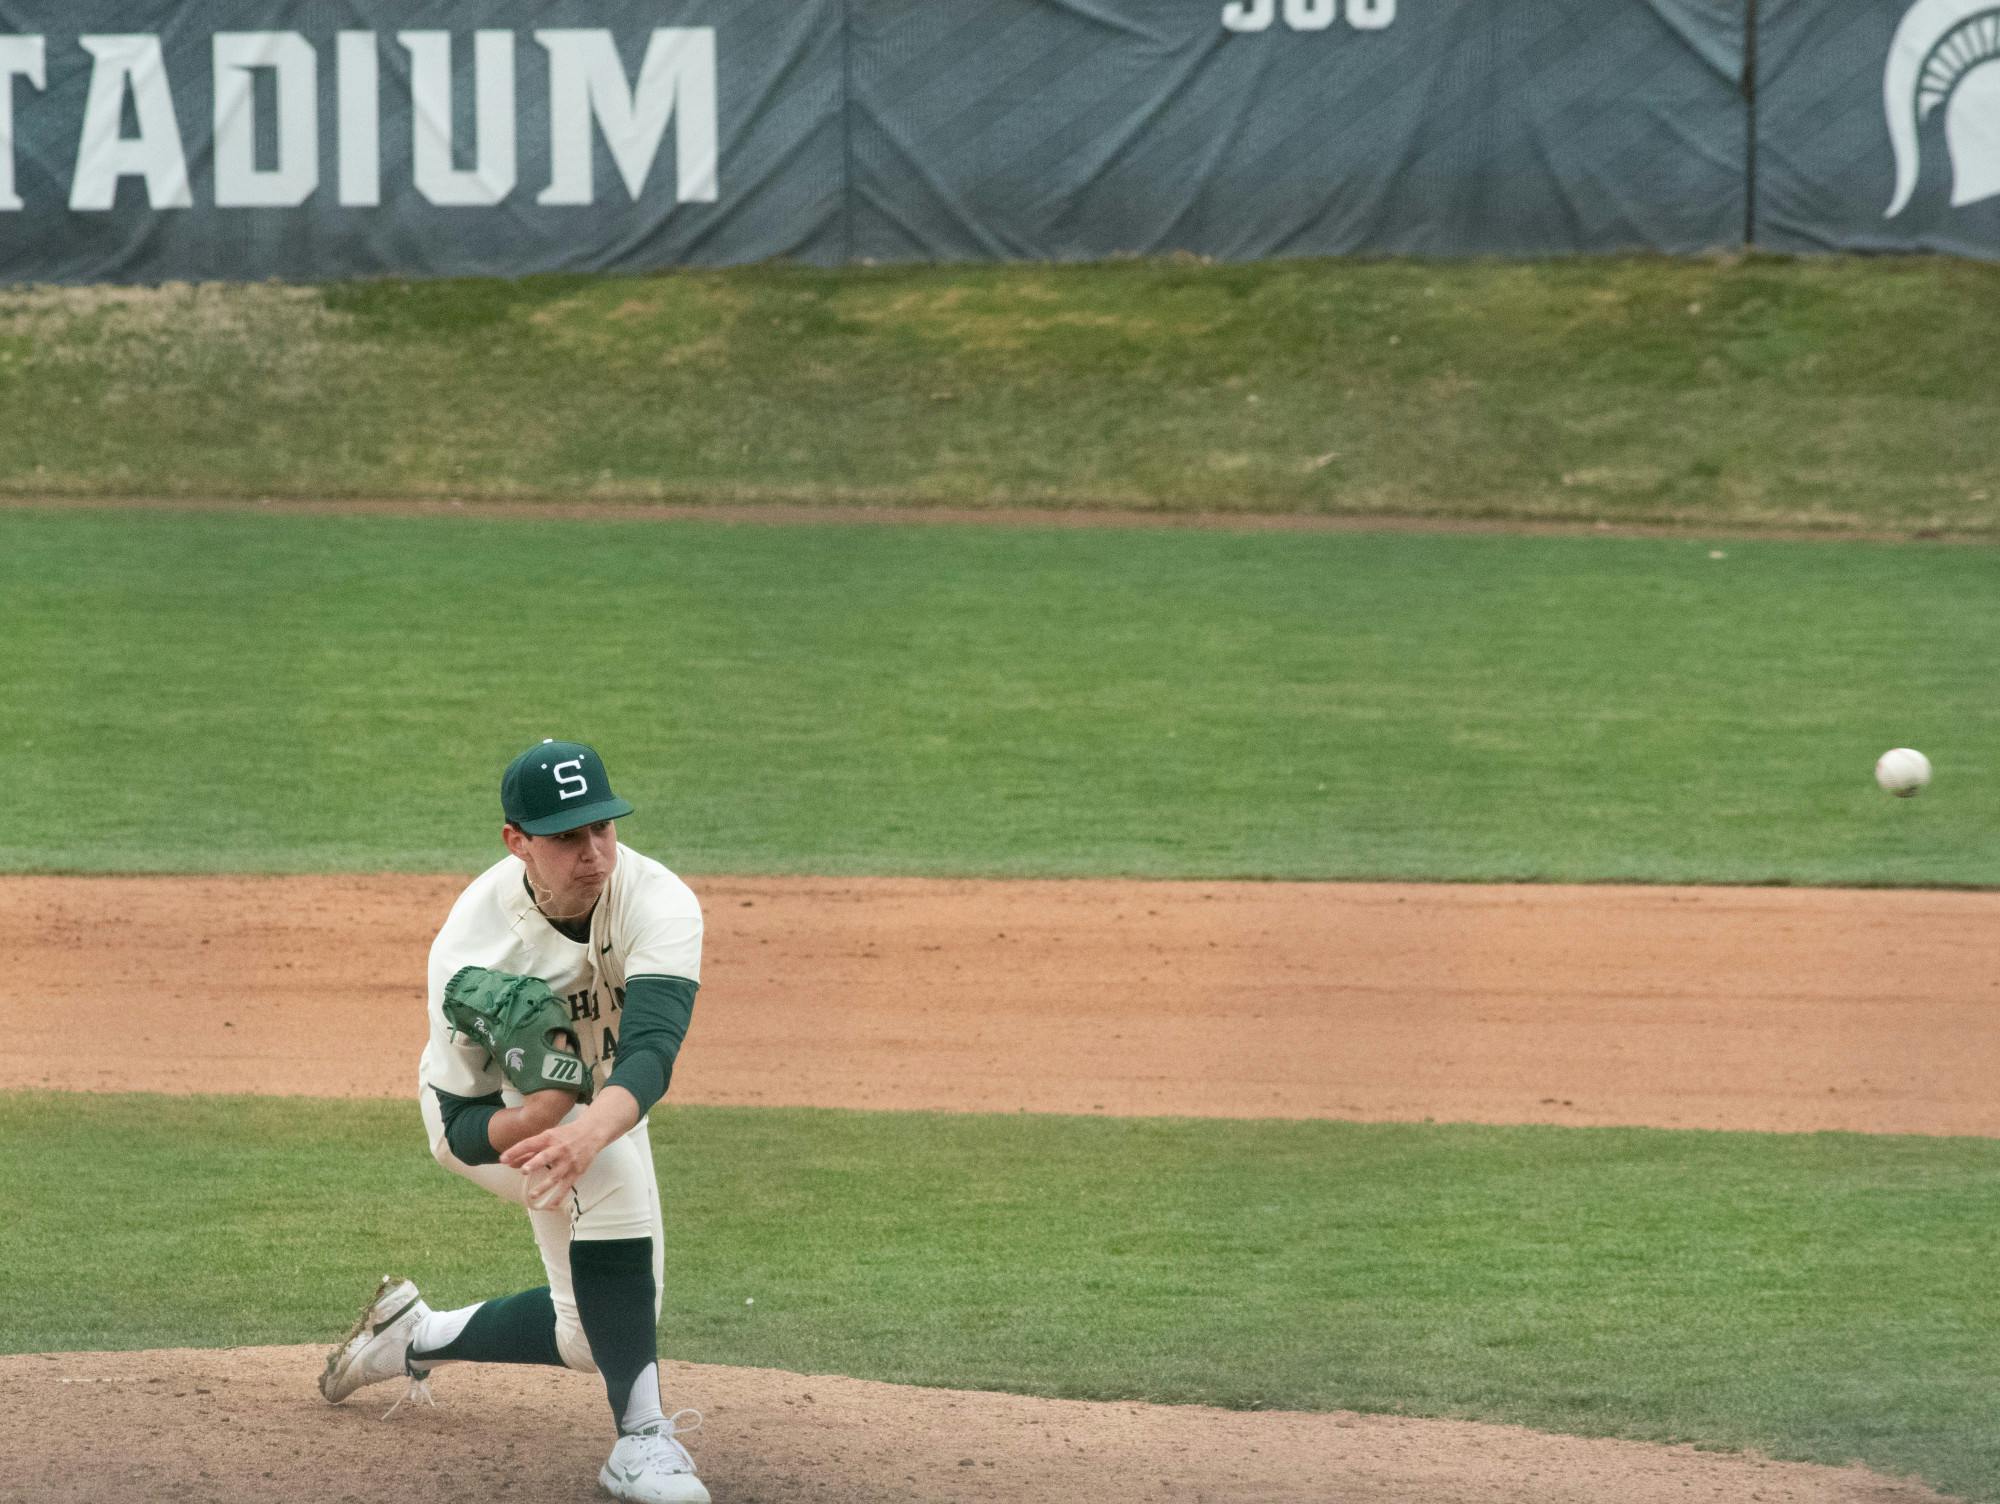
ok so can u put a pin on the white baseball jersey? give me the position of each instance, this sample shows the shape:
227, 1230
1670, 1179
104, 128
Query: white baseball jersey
647, 923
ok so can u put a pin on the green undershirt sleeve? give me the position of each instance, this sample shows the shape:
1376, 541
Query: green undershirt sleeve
465, 1120
650, 1030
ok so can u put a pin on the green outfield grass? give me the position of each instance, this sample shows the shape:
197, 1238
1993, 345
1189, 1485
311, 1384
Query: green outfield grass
1824, 1297
268, 692
1833, 392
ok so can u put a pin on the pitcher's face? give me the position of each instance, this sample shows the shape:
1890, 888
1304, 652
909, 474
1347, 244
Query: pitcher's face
567, 871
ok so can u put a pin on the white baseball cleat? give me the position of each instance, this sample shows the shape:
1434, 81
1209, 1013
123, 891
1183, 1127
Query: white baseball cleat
651, 1467
378, 1347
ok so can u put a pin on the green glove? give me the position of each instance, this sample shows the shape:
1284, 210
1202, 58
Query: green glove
524, 1026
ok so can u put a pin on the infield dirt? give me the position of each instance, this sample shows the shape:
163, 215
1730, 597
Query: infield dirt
1746, 1008
1768, 1009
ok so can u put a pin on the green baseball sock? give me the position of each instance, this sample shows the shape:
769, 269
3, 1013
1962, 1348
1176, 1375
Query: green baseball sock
513, 1329
614, 1301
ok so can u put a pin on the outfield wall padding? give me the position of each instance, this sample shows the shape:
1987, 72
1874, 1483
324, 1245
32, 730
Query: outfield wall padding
1879, 126
148, 140
1088, 128
437, 138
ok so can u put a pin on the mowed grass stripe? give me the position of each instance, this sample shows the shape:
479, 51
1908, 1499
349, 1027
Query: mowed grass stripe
207, 692
1826, 1297
1834, 392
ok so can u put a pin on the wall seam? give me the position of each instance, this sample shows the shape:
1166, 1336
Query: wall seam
1749, 124
847, 132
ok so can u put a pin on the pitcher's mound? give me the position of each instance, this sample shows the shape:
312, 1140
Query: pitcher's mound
219, 1426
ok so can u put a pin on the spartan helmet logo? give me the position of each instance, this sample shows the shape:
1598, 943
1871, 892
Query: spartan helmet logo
1936, 59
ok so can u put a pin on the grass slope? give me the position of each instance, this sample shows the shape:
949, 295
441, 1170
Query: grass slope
1825, 1297
271, 692
1832, 392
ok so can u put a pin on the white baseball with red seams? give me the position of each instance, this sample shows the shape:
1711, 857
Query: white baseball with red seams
1903, 771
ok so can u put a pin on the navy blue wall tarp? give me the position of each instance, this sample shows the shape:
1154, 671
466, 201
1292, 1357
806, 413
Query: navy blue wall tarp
252, 138
144, 140
1879, 126
1028, 128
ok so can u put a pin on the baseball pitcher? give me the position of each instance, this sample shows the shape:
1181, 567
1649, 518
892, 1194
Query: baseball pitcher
561, 987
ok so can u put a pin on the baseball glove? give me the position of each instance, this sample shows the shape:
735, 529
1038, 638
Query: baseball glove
524, 1026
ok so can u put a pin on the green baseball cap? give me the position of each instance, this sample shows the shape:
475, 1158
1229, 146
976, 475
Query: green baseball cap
557, 786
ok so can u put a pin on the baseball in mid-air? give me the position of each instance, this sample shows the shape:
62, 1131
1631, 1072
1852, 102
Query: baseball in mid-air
1903, 771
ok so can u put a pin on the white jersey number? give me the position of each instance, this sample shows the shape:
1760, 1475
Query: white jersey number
1307, 15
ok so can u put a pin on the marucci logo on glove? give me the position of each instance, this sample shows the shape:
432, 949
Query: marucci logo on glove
562, 1070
